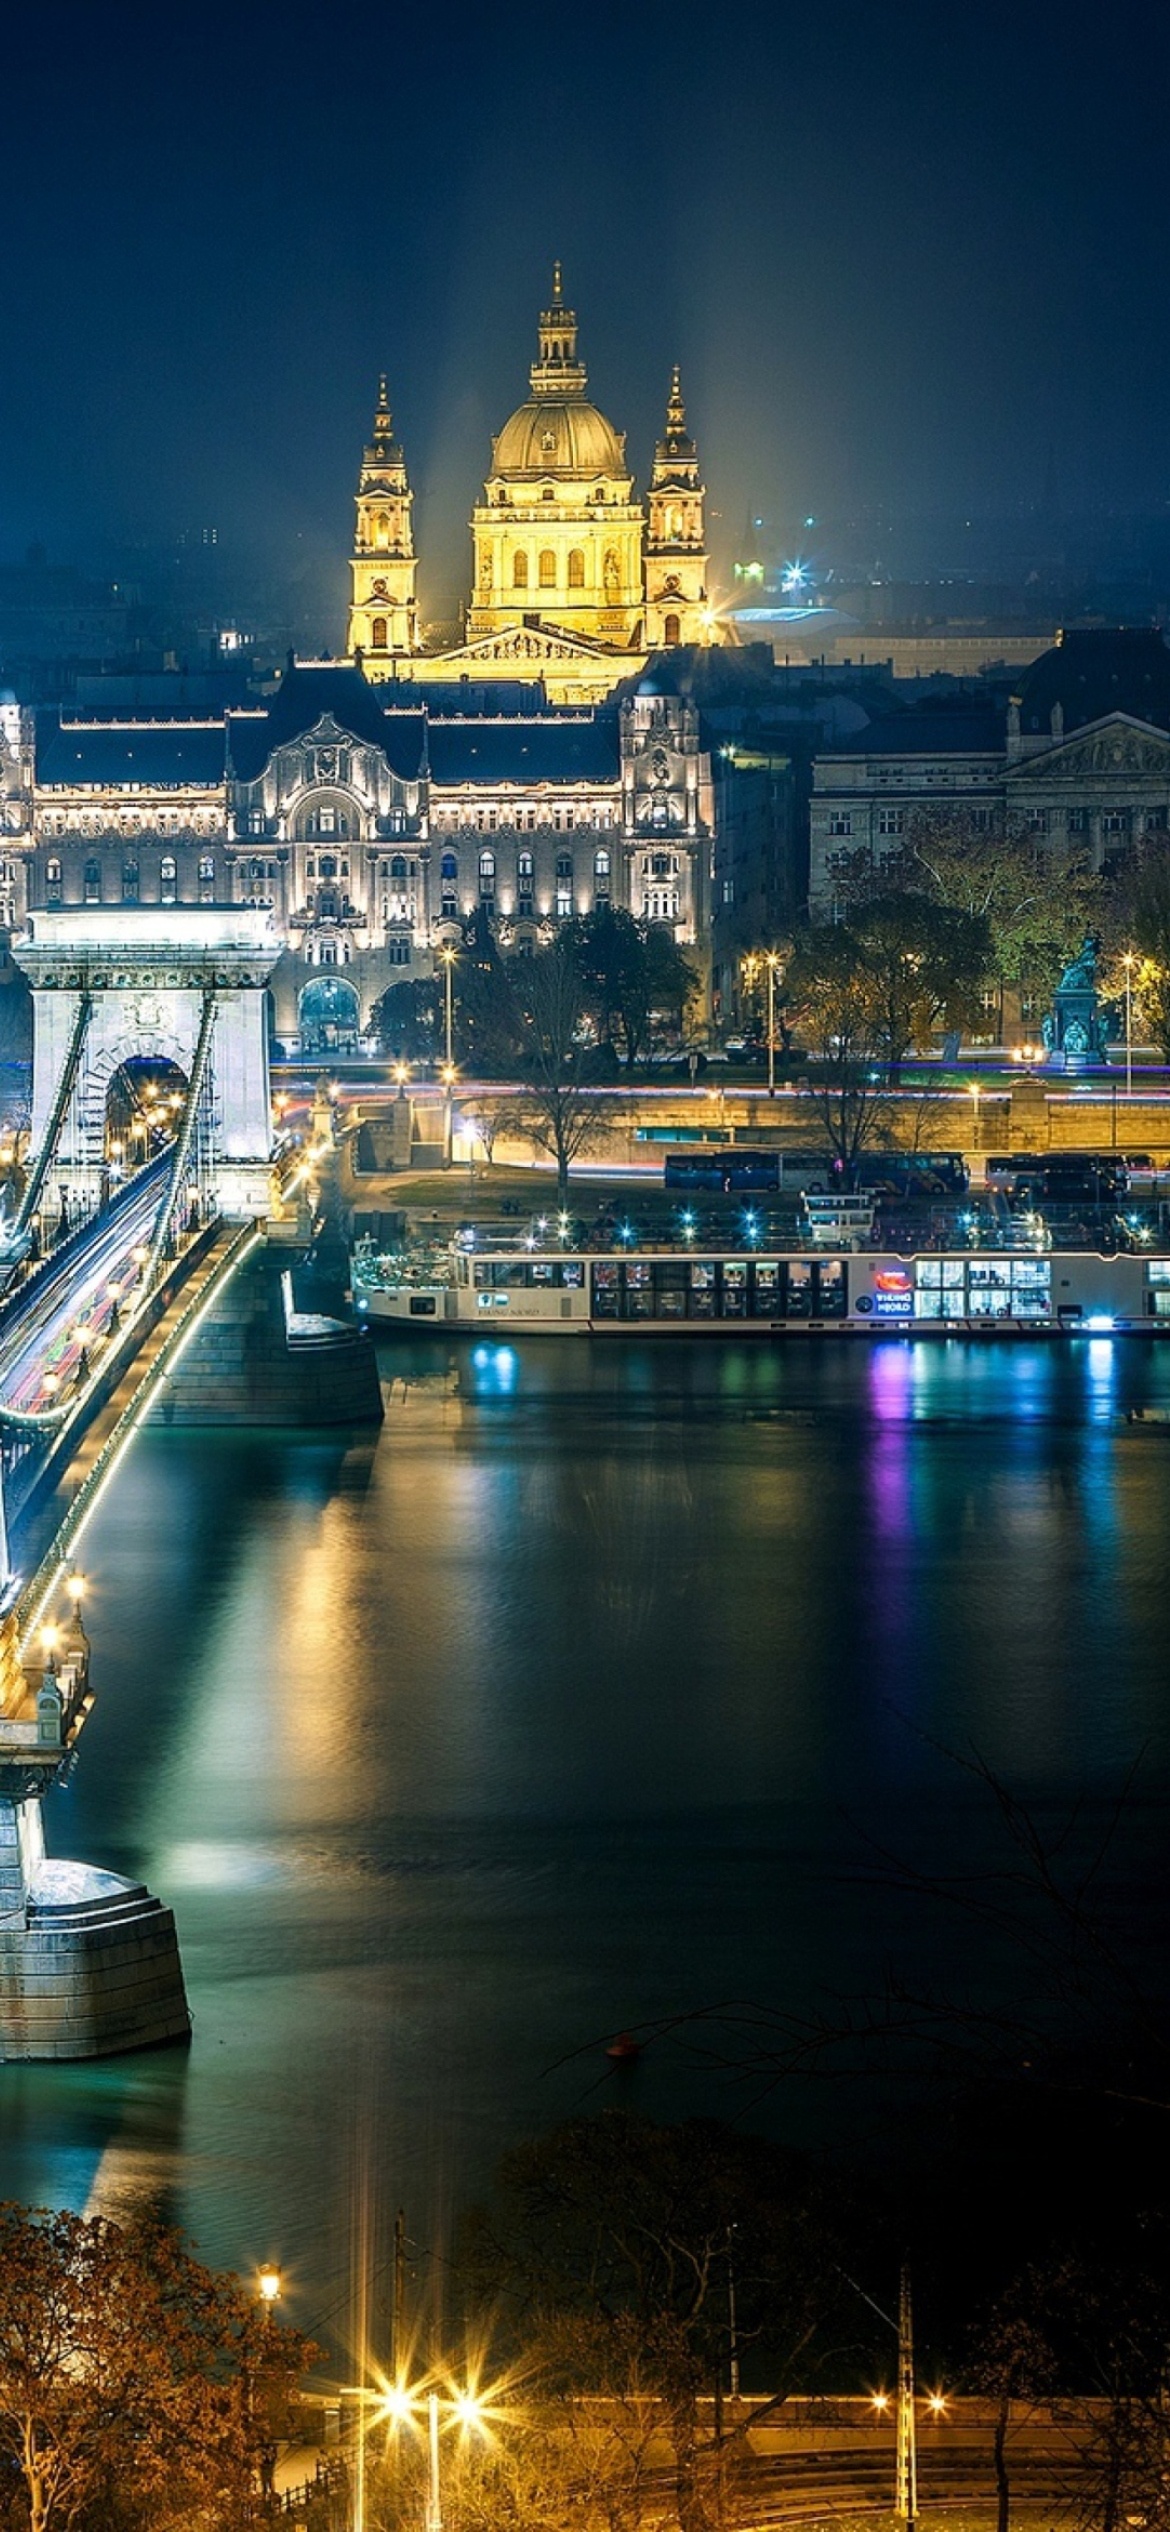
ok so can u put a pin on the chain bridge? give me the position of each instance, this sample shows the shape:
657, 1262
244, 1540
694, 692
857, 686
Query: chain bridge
124, 1237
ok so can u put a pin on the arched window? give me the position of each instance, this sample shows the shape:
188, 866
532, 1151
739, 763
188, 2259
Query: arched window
449, 868
381, 528
207, 879
519, 571
487, 870
576, 569
93, 883
548, 569
671, 631
524, 870
53, 882
601, 864
398, 866
167, 878
130, 881
378, 633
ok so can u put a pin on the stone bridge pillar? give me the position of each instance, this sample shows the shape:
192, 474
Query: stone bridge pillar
147, 971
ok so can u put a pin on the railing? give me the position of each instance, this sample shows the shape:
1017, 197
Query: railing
186, 1134
57, 1115
38, 1591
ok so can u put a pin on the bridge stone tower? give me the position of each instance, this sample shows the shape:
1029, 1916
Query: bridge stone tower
107, 986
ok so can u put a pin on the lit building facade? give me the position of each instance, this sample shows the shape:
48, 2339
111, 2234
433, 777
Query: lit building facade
372, 826
1078, 760
572, 579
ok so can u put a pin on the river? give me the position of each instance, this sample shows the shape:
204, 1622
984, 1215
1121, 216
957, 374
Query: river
574, 1702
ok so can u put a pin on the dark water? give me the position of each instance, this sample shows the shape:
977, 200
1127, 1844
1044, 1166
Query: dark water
570, 1705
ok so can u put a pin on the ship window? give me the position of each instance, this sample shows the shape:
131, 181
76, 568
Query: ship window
519, 571
548, 569
576, 569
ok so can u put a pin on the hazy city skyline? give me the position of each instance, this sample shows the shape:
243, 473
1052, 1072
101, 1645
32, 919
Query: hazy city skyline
896, 274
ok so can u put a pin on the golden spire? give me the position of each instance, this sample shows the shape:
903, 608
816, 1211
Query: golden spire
557, 285
676, 418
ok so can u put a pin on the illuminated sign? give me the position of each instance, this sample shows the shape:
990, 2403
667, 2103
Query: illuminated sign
893, 1296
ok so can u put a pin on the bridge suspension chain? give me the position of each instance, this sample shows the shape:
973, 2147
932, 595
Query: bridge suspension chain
63, 1101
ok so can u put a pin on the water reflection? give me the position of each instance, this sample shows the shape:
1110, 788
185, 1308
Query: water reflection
562, 1710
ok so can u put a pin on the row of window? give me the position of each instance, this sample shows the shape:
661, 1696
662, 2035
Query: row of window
168, 877
487, 815
892, 820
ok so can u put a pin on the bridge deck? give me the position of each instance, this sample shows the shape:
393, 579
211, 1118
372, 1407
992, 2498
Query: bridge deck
48, 1534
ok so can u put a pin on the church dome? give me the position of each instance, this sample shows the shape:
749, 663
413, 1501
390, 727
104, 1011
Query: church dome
558, 431
559, 435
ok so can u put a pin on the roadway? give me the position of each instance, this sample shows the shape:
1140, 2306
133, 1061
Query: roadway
69, 1308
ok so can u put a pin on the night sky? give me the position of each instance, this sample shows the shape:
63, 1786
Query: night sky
910, 257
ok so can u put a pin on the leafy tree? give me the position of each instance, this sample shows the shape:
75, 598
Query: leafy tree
630, 972
490, 1027
558, 1110
830, 989
133, 2381
407, 1020
1149, 930
927, 962
1037, 899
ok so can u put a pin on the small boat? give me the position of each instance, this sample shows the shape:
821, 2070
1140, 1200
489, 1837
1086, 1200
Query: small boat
624, 2048
1156, 1417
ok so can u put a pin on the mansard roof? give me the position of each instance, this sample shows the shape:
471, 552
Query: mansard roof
329, 691
551, 749
1093, 673
976, 732
155, 755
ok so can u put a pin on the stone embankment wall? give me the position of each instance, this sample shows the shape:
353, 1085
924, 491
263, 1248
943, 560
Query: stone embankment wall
240, 1369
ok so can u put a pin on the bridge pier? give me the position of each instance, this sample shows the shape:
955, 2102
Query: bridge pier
89, 1962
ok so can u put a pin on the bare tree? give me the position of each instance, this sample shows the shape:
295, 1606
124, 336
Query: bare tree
559, 1110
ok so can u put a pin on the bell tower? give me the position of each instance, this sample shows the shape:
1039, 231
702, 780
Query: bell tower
676, 559
383, 619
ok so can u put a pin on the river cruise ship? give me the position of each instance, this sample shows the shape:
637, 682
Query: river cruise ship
663, 1292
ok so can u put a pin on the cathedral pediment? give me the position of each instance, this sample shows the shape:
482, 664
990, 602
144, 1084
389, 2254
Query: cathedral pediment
523, 644
1119, 746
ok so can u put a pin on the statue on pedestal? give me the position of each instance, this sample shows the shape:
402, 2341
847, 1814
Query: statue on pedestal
1077, 1027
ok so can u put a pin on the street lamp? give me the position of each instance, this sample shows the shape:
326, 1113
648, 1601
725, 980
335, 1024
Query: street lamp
448, 954
448, 1080
268, 2287
771, 961
1129, 962
399, 2405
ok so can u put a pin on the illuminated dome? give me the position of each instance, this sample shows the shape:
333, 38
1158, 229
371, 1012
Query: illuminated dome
559, 435
558, 431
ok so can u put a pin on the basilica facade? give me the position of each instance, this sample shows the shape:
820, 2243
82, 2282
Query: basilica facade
574, 580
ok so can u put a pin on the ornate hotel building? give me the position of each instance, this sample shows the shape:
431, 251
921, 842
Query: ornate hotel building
373, 825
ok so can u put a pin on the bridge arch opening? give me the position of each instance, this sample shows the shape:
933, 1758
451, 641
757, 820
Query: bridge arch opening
330, 1017
145, 1096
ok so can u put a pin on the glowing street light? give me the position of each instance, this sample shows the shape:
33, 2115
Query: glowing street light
268, 2286
1129, 962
